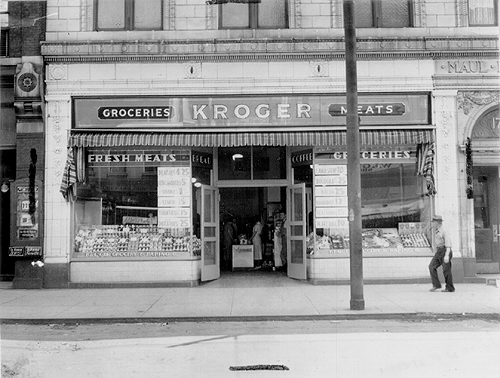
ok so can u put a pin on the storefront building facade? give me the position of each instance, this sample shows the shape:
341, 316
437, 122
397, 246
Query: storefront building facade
158, 143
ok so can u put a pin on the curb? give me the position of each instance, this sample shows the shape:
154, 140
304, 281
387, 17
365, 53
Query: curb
413, 317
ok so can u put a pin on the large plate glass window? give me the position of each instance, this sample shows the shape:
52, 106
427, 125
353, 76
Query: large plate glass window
135, 204
129, 14
268, 14
396, 205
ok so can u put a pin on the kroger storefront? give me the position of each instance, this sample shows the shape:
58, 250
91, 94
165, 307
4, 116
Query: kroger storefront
153, 180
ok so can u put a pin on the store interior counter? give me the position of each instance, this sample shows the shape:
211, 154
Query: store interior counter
243, 256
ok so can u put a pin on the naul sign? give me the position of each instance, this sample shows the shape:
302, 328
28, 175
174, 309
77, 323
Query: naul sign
386, 109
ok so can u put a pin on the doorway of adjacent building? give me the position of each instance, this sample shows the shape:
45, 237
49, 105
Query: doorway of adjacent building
486, 218
7, 175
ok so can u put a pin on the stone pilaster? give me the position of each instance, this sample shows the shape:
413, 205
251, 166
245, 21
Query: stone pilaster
57, 244
446, 164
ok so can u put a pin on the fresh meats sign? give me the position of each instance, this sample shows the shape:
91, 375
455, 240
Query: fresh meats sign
254, 113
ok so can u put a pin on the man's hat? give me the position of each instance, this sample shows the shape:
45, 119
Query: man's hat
437, 218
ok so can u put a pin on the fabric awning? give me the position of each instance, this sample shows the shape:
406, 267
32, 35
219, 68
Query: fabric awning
310, 138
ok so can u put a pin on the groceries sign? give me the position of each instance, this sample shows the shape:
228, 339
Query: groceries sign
249, 112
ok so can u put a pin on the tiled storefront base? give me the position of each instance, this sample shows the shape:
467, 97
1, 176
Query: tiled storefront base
187, 273
377, 269
135, 273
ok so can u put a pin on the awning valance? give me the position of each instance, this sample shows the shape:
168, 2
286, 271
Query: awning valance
232, 139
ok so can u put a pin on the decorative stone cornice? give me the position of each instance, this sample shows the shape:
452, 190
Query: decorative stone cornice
268, 49
468, 100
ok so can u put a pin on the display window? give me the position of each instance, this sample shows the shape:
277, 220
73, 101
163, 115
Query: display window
395, 204
135, 204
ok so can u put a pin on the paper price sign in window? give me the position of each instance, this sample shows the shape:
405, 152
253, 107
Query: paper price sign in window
330, 169
174, 201
331, 212
331, 201
331, 191
174, 212
164, 172
174, 223
330, 180
332, 223
173, 191
179, 181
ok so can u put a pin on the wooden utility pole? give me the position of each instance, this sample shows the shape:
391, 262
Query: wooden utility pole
353, 161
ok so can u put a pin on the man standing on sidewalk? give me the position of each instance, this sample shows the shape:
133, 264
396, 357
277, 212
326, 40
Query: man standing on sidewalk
442, 256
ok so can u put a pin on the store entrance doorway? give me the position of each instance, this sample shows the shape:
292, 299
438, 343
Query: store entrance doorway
251, 224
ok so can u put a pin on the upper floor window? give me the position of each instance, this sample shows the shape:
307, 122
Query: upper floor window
266, 14
129, 14
382, 13
4, 26
482, 12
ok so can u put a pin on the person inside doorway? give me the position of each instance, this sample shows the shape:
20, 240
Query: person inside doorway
228, 240
257, 243
278, 244
283, 240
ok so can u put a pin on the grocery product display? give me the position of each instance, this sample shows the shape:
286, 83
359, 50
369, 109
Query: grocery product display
134, 241
415, 240
408, 237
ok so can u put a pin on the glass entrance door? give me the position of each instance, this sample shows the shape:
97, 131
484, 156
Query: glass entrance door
296, 257
210, 265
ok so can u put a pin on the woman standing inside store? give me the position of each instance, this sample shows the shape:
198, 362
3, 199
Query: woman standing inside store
257, 242
283, 241
228, 239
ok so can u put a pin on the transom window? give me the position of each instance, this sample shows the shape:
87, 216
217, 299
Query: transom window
267, 14
252, 163
482, 12
129, 14
382, 13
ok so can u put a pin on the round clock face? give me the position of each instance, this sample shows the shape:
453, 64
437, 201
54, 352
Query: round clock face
27, 82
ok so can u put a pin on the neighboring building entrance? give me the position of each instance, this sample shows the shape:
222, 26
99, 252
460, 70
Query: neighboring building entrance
486, 218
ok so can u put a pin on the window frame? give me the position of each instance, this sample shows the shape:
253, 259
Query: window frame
128, 18
4, 49
253, 18
5, 32
376, 6
495, 13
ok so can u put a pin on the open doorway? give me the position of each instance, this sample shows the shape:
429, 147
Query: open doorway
251, 225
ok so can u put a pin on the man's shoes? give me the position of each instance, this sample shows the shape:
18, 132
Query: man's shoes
446, 290
435, 288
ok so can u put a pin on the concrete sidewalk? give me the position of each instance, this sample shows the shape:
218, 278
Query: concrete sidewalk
243, 298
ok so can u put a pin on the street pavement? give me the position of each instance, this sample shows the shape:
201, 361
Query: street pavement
244, 297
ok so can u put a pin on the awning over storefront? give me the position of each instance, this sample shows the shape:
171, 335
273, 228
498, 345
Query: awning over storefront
312, 138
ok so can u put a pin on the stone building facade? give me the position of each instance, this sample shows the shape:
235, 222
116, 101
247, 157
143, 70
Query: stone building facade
437, 58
